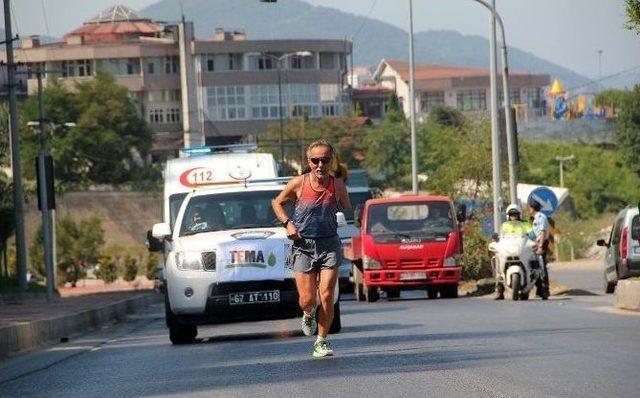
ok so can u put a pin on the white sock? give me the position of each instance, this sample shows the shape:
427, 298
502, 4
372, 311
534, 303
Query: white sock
320, 339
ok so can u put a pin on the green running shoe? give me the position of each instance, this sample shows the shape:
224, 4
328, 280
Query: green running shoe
322, 349
309, 324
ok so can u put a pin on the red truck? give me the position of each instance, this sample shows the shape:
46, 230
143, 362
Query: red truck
406, 243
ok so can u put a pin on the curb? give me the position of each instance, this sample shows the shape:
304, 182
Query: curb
628, 294
29, 335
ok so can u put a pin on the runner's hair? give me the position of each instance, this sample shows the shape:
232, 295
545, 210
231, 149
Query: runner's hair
321, 142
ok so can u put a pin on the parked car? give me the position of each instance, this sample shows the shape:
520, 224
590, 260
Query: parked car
622, 259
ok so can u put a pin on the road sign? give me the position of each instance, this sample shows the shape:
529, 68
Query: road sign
546, 198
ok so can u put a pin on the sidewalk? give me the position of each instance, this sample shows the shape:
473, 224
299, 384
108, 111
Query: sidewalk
28, 322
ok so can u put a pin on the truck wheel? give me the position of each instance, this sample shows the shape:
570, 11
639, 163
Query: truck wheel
371, 294
432, 293
393, 293
336, 325
358, 291
178, 333
515, 287
449, 291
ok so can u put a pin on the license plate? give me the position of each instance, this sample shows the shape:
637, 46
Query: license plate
266, 296
410, 276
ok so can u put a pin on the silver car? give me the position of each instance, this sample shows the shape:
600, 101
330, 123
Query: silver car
622, 259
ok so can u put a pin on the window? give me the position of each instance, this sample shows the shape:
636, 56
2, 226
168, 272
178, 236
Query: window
471, 100
534, 97
151, 69
156, 116
300, 62
430, 100
133, 66
210, 65
68, 69
514, 96
226, 103
84, 67
171, 65
173, 115
327, 61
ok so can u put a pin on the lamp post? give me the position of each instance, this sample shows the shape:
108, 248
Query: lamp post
279, 67
563, 159
412, 106
600, 69
511, 143
48, 215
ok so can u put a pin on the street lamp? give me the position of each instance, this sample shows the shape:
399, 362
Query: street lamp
279, 67
563, 159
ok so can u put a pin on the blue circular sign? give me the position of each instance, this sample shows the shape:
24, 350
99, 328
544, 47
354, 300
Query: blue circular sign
547, 199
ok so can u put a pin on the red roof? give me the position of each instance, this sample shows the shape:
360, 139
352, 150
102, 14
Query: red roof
115, 31
436, 72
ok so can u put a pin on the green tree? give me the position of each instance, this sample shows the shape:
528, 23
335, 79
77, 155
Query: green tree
79, 243
107, 270
447, 116
628, 128
632, 8
130, 268
393, 110
150, 265
388, 151
476, 261
7, 220
612, 97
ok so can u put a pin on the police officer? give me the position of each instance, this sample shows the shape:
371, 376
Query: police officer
513, 226
541, 231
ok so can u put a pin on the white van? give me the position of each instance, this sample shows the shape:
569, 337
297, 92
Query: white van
622, 259
225, 260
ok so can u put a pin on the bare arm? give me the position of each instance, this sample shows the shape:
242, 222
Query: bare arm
289, 193
342, 195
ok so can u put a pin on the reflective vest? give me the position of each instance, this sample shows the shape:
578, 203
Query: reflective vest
516, 228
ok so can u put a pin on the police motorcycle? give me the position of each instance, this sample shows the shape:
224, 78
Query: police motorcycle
517, 266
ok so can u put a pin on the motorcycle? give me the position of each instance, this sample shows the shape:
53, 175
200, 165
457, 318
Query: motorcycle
517, 266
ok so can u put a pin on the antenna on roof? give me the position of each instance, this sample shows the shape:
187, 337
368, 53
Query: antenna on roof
182, 11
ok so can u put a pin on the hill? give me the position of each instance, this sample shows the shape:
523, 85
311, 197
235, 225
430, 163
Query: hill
373, 39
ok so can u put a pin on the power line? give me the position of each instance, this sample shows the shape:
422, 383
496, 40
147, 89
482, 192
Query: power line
365, 20
44, 16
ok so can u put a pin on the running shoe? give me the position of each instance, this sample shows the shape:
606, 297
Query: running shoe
322, 349
309, 324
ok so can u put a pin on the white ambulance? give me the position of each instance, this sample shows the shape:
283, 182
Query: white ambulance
225, 251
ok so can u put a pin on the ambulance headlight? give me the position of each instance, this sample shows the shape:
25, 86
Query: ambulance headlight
189, 261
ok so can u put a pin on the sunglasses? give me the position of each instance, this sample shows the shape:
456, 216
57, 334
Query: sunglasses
318, 160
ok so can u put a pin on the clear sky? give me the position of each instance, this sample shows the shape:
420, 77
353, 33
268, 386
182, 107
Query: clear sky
566, 32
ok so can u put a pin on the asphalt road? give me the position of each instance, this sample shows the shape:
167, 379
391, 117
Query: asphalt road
576, 346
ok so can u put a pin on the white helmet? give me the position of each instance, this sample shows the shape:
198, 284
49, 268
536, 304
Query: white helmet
513, 208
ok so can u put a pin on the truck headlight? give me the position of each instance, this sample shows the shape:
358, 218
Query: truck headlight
371, 263
451, 261
189, 261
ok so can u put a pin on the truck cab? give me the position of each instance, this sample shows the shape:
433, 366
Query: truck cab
406, 243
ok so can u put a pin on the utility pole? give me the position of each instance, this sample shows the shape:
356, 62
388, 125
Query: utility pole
563, 159
18, 197
42, 192
495, 133
412, 106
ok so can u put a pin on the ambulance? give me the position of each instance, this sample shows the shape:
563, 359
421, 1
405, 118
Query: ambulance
225, 250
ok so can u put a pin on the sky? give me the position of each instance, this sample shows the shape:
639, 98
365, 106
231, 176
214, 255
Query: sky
567, 32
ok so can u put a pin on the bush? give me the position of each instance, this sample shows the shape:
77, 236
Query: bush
106, 268
150, 265
130, 268
476, 260
573, 237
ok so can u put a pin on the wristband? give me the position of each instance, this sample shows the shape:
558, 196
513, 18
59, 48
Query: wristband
286, 222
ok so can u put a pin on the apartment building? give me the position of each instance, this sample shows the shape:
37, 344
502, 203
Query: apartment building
195, 91
466, 89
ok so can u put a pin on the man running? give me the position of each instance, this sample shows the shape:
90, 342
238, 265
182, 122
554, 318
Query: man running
316, 252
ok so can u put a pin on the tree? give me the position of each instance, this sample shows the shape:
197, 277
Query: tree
130, 268
628, 128
107, 270
632, 8
612, 97
150, 265
447, 116
7, 220
388, 151
78, 243
393, 111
